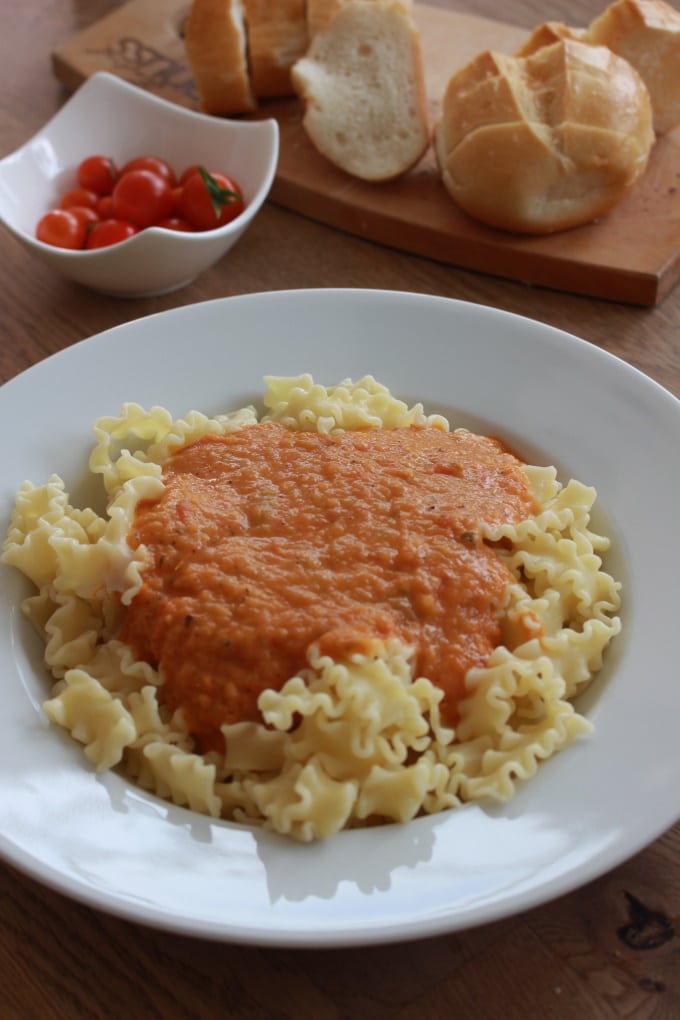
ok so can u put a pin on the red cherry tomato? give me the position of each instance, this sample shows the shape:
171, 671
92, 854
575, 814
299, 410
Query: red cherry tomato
61, 229
85, 214
176, 223
189, 172
80, 197
109, 205
108, 232
210, 200
176, 195
142, 197
155, 165
104, 207
98, 174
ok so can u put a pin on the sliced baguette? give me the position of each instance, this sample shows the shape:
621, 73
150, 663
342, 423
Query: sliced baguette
277, 37
216, 48
363, 87
320, 13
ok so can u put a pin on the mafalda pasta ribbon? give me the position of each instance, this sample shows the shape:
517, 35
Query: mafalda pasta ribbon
357, 733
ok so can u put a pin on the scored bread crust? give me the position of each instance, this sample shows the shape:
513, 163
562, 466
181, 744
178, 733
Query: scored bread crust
546, 142
546, 34
277, 37
216, 48
647, 34
363, 87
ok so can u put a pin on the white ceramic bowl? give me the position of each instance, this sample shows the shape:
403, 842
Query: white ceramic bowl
111, 117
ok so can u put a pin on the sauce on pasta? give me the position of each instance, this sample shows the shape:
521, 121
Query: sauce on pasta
269, 539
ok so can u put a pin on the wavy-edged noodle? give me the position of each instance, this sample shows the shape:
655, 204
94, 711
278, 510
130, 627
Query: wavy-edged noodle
360, 723
184, 778
342, 744
75, 551
43, 522
299, 402
95, 717
155, 436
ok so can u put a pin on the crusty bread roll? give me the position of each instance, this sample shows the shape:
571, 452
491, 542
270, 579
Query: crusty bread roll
546, 34
277, 37
545, 142
215, 44
363, 87
647, 34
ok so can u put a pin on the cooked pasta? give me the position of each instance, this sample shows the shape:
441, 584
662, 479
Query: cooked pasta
356, 733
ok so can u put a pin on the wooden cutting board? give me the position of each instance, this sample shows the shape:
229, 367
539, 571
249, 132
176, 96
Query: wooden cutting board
632, 255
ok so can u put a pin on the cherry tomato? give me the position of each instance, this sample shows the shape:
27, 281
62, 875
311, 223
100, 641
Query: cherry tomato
104, 207
109, 205
85, 214
176, 195
189, 172
155, 165
210, 200
176, 223
108, 232
79, 196
142, 197
98, 174
61, 229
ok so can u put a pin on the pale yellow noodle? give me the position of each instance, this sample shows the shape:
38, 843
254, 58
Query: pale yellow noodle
344, 743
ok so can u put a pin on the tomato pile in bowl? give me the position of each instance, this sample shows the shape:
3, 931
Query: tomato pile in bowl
110, 116
111, 204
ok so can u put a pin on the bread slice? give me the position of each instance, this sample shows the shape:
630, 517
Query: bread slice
320, 13
277, 37
647, 34
363, 87
546, 142
216, 49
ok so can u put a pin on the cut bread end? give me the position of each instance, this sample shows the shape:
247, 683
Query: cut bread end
216, 48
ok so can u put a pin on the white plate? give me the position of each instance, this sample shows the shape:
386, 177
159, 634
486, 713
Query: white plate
557, 400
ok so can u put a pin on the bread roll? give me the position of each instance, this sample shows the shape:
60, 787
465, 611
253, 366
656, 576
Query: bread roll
546, 34
545, 142
215, 44
277, 37
363, 88
647, 34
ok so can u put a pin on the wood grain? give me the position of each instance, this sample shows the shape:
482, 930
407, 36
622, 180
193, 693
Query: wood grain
631, 255
581, 957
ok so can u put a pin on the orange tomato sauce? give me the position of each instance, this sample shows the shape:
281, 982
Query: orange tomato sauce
269, 539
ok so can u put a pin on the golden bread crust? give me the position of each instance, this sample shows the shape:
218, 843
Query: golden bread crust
545, 142
215, 45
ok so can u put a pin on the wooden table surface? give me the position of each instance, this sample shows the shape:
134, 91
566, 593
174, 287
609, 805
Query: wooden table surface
610, 949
